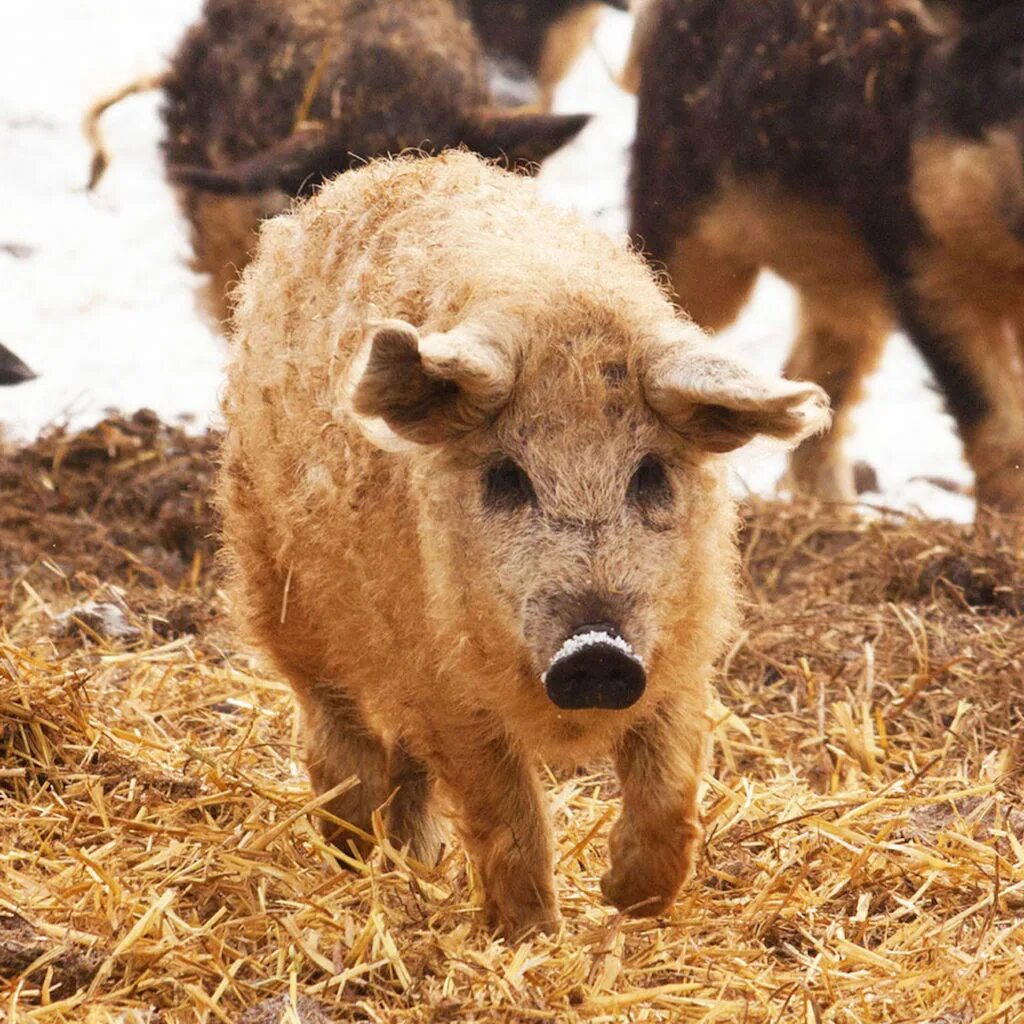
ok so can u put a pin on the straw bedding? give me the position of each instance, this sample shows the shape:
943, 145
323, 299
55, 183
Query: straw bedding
159, 860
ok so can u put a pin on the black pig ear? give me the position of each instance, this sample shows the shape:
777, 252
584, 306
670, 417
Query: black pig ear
717, 403
294, 165
409, 389
519, 137
12, 369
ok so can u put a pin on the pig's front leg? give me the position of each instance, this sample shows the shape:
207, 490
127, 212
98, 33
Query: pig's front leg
654, 843
504, 824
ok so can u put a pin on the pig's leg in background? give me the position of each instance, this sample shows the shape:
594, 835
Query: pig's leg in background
409, 819
682, 220
710, 283
503, 821
338, 745
564, 40
845, 315
843, 331
654, 843
975, 353
224, 234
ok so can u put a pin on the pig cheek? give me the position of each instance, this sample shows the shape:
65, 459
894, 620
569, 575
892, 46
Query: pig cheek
539, 633
662, 567
498, 568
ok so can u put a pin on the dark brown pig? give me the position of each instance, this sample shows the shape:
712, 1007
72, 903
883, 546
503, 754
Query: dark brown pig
870, 152
267, 98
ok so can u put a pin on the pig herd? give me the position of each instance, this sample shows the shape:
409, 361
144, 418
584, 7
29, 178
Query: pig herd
472, 490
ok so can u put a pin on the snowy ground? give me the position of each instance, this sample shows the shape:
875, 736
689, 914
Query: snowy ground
97, 298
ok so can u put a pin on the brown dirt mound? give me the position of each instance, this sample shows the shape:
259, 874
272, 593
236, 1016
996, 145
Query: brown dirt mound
865, 852
38, 959
896, 611
891, 558
125, 500
125, 504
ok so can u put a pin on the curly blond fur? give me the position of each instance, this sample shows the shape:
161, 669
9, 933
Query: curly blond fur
436, 308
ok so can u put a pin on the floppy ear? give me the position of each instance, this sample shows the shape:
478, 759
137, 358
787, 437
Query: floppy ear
426, 390
521, 137
718, 404
12, 369
295, 165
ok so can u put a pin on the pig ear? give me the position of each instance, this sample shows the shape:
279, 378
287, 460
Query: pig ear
718, 404
408, 389
12, 369
294, 165
519, 137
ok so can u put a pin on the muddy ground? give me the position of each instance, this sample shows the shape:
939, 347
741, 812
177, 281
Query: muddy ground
865, 853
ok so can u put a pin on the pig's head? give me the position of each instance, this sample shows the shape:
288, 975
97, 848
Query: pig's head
571, 502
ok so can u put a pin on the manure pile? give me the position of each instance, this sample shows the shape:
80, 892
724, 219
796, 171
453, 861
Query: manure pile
159, 859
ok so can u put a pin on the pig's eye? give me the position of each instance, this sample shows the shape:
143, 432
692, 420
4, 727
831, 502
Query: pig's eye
507, 487
649, 487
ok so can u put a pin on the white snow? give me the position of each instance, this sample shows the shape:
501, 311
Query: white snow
581, 641
103, 307
106, 619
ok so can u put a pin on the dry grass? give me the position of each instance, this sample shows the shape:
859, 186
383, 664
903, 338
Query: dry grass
159, 860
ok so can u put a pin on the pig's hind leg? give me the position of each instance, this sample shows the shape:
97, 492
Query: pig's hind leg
409, 819
339, 744
843, 330
711, 284
966, 320
654, 843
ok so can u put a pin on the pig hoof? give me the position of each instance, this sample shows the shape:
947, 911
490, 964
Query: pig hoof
521, 923
647, 870
634, 893
821, 475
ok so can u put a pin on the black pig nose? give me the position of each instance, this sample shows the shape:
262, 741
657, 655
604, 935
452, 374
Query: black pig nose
595, 668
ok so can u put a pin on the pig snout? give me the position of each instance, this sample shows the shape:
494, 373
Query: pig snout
595, 668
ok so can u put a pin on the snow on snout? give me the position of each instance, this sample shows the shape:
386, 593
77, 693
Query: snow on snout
580, 641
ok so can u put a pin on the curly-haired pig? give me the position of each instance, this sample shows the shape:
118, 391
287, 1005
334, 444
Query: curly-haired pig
474, 503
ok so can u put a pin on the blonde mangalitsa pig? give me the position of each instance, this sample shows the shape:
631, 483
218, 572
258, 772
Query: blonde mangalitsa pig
475, 507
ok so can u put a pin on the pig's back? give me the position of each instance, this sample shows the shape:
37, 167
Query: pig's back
430, 240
